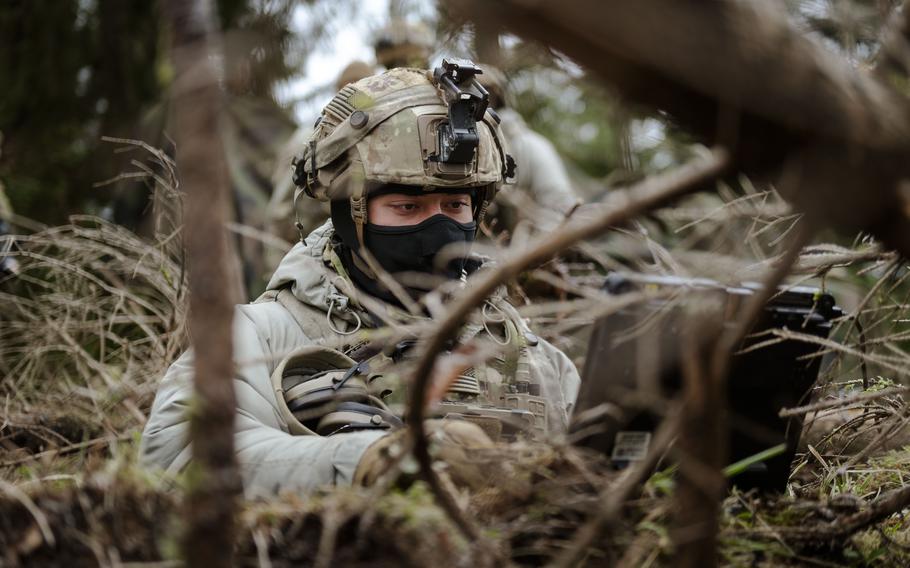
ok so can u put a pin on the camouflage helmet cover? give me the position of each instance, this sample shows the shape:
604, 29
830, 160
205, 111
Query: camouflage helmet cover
382, 130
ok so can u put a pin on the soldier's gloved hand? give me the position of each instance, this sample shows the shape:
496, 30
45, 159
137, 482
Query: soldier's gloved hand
451, 442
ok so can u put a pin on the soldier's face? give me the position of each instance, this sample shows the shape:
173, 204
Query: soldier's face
398, 209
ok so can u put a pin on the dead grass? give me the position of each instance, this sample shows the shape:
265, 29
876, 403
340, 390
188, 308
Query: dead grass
98, 313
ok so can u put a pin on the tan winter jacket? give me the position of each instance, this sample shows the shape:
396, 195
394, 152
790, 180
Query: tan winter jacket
271, 459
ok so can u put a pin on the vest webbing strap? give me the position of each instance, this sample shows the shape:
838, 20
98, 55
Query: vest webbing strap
310, 320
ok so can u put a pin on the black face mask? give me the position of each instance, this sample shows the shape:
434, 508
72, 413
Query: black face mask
413, 248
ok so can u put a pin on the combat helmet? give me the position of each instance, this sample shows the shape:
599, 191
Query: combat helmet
407, 127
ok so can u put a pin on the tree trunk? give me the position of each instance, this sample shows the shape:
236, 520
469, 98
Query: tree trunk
214, 482
701, 448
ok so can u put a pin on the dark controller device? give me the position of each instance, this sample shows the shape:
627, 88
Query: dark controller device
634, 361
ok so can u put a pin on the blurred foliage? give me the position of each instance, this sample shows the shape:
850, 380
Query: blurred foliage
851, 26
601, 138
605, 141
68, 73
74, 70
578, 119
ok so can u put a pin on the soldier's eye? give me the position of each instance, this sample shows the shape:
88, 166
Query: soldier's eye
405, 207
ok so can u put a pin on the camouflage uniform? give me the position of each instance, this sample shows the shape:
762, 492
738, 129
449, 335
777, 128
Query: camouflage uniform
312, 301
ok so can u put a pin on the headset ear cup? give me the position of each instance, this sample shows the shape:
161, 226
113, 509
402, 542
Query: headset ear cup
351, 416
307, 362
310, 398
322, 392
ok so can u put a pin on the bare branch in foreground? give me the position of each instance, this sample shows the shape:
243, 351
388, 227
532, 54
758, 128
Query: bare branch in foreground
841, 402
706, 362
211, 500
620, 207
738, 74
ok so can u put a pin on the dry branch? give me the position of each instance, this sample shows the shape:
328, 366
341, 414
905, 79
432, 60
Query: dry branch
706, 363
841, 402
620, 207
835, 531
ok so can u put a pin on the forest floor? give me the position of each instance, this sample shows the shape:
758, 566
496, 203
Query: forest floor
95, 317
95, 508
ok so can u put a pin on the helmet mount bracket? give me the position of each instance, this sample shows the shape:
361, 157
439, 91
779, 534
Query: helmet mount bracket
467, 101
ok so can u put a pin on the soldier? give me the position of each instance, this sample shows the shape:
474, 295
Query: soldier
310, 416
280, 209
542, 193
8, 264
403, 44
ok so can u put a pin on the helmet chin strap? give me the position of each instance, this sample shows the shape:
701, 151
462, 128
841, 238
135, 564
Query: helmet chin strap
485, 197
359, 212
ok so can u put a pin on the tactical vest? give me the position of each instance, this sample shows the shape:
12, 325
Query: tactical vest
500, 395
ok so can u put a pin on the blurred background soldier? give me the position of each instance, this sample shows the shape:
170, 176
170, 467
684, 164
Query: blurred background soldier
399, 43
283, 221
542, 193
403, 44
8, 264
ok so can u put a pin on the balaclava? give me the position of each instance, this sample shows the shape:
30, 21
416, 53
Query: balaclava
400, 249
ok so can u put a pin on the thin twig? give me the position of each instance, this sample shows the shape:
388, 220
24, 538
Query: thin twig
730, 340
836, 403
263, 237
30, 506
262, 548
835, 531
66, 449
883, 436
